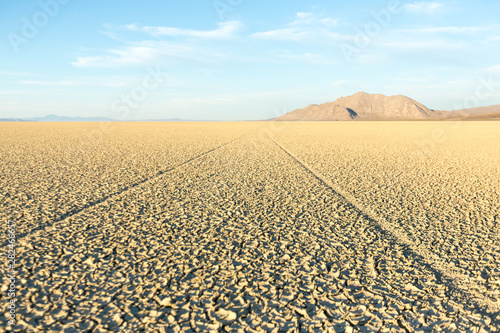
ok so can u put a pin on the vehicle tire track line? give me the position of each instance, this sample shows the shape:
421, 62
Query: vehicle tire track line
458, 285
41, 229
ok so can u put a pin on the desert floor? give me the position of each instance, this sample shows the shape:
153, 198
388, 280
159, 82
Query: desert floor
253, 227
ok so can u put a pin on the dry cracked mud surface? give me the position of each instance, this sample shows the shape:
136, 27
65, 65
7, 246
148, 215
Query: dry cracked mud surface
251, 227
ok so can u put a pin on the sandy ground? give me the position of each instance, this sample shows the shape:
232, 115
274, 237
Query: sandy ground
254, 227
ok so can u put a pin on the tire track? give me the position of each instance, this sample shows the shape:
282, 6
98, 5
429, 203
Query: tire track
194, 264
42, 228
460, 288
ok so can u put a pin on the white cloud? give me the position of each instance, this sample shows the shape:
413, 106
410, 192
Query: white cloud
289, 34
309, 58
449, 30
132, 55
12, 73
147, 52
51, 83
114, 81
224, 31
429, 45
302, 15
493, 69
423, 7
306, 26
313, 19
21, 92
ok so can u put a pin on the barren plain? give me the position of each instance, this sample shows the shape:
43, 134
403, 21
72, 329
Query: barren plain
254, 227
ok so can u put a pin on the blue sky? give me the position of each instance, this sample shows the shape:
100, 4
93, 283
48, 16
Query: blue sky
241, 59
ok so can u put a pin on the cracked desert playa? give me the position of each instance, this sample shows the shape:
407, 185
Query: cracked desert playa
254, 227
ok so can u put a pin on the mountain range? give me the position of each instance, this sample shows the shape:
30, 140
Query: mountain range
56, 118
364, 106
360, 106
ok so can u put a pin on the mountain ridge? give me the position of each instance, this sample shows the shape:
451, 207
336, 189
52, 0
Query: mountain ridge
57, 118
364, 106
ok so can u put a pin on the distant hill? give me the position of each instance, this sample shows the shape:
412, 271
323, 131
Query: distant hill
11, 119
483, 110
363, 106
56, 118
488, 116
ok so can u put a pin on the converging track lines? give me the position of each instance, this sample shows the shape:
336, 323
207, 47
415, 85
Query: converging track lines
459, 287
40, 229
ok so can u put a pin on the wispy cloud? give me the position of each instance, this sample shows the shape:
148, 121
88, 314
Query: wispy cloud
131, 55
21, 92
494, 39
310, 58
423, 7
289, 34
447, 30
437, 45
306, 26
147, 52
305, 18
224, 31
114, 81
493, 69
12, 73
152, 51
